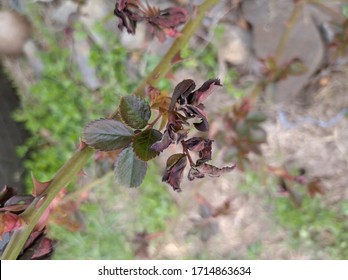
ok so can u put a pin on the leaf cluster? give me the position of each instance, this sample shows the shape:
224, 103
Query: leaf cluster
131, 133
242, 133
11, 206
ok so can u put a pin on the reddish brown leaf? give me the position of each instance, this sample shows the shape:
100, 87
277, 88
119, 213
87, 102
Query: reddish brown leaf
163, 144
174, 170
183, 88
315, 187
196, 111
205, 90
6, 193
9, 222
201, 145
223, 209
44, 248
207, 169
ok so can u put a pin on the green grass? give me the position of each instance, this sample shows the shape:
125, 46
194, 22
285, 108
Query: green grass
315, 227
59, 105
113, 219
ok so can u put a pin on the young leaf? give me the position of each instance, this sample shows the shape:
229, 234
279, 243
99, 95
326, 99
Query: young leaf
135, 111
143, 142
256, 117
174, 170
107, 135
129, 170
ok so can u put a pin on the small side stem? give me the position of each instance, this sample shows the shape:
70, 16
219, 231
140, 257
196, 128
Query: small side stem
187, 153
288, 28
152, 124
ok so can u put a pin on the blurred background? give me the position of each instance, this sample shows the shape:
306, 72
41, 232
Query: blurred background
281, 116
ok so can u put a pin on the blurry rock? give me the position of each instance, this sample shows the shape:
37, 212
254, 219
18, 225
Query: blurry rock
268, 19
17, 5
45, 1
64, 11
32, 54
14, 33
133, 42
235, 46
81, 55
93, 12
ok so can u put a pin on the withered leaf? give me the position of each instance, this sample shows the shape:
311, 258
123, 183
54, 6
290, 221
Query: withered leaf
6, 193
315, 187
204, 91
174, 170
183, 88
44, 248
9, 222
201, 145
207, 169
162, 144
17, 203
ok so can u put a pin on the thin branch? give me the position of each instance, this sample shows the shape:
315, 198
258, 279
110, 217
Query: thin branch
287, 31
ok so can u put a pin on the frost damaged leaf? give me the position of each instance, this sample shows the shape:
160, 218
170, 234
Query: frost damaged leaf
207, 169
174, 170
17, 203
315, 187
107, 135
6, 193
201, 145
162, 144
182, 89
205, 90
129, 170
143, 142
44, 248
9, 222
135, 111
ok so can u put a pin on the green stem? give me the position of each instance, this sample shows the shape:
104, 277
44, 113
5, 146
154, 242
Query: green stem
287, 31
335, 15
35, 210
71, 168
166, 63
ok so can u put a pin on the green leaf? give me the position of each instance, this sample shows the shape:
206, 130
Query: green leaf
143, 141
107, 135
258, 135
129, 170
256, 117
297, 68
134, 111
345, 10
